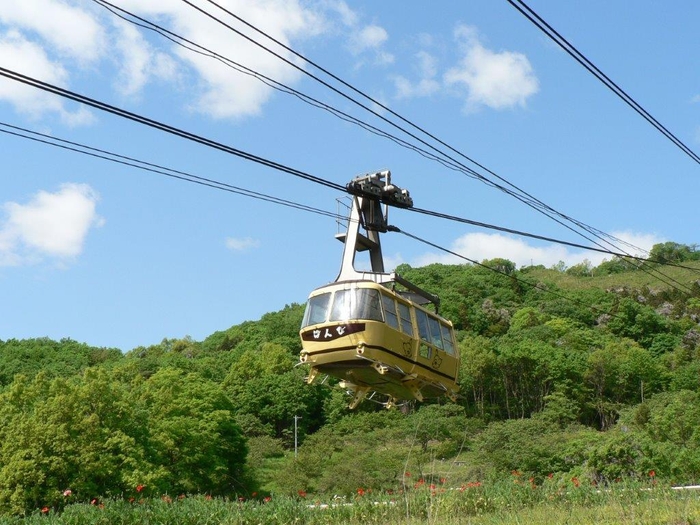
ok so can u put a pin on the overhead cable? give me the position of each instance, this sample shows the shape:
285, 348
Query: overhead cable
154, 168
52, 140
45, 86
562, 42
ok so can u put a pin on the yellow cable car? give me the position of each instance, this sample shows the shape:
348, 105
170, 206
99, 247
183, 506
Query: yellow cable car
371, 329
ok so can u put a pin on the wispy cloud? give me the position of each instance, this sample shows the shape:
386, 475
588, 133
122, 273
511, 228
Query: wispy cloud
50, 225
241, 245
370, 39
426, 84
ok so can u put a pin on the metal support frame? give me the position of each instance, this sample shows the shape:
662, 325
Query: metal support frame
373, 193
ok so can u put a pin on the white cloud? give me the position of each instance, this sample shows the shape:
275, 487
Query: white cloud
483, 246
49, 225
241, 245
496, 80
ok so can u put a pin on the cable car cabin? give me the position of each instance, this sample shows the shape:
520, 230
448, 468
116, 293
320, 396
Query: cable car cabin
374, 339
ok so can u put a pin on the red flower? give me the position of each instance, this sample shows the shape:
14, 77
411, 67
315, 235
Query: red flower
652, 473
267, 499
44, 510
139, 488
241, 499
442, 481
550, 475
407, 474
67, 492
360, 492
302, 493
575, 481
93, 501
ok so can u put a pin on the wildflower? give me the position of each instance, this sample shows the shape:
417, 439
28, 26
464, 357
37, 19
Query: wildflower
360, 491
139, 488
407, 474
254, 494
167, 499
241, 499
302, 493
208, 497
575, 481
550, 475
67, 492
652, 473
267, 499
181, 497
44, 510
432, 486
132, 499
93, 501
515, 473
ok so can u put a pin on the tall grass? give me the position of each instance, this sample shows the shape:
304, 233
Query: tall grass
510, 501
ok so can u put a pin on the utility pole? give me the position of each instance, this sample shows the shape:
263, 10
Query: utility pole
296, 418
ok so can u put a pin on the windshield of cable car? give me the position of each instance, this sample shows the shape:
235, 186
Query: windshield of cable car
344, 305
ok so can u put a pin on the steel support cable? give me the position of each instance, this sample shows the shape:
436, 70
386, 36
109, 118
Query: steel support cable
155, 168
530, 200
522, 196
228, 26
161, 126
274, 84
103, 154
449, 163
540, 206
554, 35
13, 75
173, 36
182, 175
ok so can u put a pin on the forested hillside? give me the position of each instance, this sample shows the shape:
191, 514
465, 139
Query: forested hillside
584, 373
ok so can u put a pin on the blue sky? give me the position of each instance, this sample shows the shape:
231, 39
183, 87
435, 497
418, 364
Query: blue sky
113, 256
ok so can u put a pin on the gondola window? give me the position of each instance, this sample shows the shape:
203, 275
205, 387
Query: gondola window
317, 309
390, 312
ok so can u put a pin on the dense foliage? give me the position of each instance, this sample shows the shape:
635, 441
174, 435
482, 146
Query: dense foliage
590, 373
